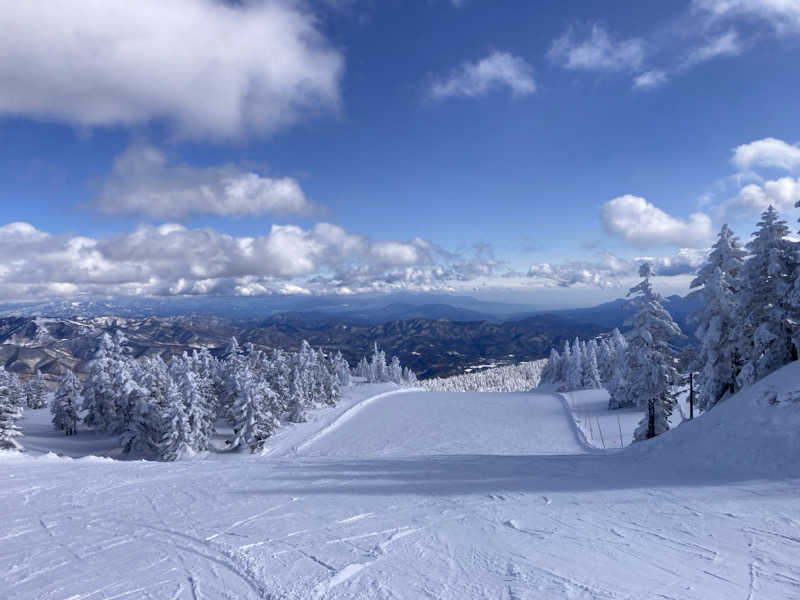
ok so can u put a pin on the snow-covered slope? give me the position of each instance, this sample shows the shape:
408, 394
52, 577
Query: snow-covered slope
755, 432
438, 423
474, 521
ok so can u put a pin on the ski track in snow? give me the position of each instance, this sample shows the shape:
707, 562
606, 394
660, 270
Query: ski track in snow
546, 516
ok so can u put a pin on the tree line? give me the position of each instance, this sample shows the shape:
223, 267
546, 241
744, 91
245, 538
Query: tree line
747, 326
165, 410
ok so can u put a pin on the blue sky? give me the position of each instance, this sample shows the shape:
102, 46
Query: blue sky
519, 150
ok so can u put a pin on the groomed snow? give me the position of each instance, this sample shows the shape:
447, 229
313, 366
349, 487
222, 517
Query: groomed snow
450, 518
436, 423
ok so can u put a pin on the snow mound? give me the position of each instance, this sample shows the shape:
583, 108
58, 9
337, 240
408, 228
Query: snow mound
755, 432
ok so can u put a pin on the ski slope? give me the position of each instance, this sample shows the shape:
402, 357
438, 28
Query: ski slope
437, 423
399, 496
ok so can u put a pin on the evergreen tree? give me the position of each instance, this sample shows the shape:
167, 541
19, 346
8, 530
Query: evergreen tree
719, 283
765, 328
591, 372
297, 398
175, 439
574, 374
10, 412
794, 302
651, 360
552, 371
98, 389
66, 401
395, 372
618, 385
342, 369
36, 392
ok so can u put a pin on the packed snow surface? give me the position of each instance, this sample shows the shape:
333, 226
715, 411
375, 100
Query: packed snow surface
399, 496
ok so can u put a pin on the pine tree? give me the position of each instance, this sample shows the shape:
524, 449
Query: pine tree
591, 372
175, 440
618, 385
10, 412
342, 369
297, 398
574, 373
147, 427
36, 392
552, 372
395, 372
764, 331
98, 392
651, 360
719, 283
794, 303
66, 401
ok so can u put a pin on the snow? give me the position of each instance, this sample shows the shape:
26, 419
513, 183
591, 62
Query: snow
442, 423
599, 427
405, 498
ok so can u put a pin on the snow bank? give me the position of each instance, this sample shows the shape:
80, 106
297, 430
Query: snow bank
755, 432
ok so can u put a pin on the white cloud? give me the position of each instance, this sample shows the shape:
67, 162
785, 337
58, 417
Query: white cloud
766, 153
649, 80
472, 79
142, 182
610, 271
782, 15
173, 259
725, 44
598, 52
642, 224
781, 193
212, 69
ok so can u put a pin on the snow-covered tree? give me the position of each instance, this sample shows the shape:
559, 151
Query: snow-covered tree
651, 359
794, 302
105, 403
574, 366
36, 392
764, 324
297, 398
395, 372
718, 283
253, 419
10, 412
175, 439
65, 404
342, 369
591, 372
553, 371
618, 386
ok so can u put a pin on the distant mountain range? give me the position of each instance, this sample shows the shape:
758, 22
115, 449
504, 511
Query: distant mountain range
434, 339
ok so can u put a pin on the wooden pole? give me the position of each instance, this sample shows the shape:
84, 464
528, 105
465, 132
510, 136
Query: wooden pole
691, 395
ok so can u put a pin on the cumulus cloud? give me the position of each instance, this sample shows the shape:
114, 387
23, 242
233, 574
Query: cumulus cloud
212, 69
781, 193
598, 52
766, 153
171, 259
782, 15
642, 224
143, 182
473, 79
608, 271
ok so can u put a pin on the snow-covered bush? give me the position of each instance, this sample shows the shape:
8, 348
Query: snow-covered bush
521, 377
